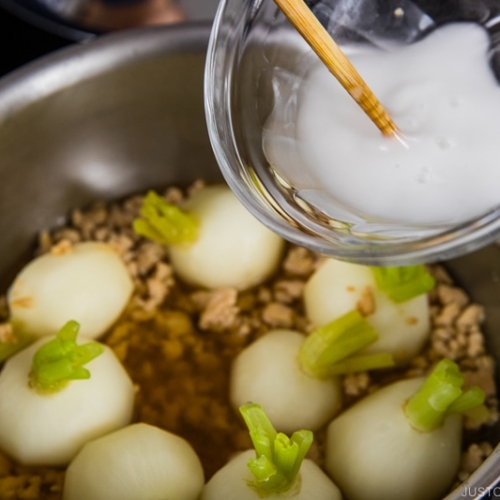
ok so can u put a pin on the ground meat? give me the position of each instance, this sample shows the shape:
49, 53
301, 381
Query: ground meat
366, 304
29, 483
178, 342
278, 315
356, 384
6, 332
472, 458
286, 291
299, 262
451, 295
62, 247
220, 311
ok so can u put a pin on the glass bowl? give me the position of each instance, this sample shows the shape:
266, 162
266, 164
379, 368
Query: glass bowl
252, 51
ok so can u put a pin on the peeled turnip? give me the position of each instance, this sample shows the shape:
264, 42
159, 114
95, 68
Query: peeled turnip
295, 378
87, 283
268, 372
46, 413
276, 469
214, 241
404, 441
337, 287
231, 483
137, 462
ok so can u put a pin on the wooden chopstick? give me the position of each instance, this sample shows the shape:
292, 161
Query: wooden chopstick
306, 23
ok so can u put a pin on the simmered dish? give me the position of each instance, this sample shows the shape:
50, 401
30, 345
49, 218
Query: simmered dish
143, 331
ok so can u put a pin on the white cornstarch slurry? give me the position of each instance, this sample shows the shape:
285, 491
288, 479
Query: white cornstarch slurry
442, 169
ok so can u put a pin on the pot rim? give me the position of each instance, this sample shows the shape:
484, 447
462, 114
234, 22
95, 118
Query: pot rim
71, 65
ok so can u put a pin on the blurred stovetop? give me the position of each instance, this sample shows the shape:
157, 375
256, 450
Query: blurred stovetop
21, 42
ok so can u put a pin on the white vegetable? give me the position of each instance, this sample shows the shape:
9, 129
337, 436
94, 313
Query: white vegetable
268, 373
88, 283
232, 248
49, 429
337, 287
373, 453
231, 483
137, 462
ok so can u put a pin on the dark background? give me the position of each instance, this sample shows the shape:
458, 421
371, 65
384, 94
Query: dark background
21, 42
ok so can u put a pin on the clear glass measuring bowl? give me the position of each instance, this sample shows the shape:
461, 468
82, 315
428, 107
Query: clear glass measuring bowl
254, 53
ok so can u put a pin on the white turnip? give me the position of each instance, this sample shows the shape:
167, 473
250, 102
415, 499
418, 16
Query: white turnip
275, 470
51, 405
403, 327
214, 241
295, 378
88, 283
402, 442
137, 462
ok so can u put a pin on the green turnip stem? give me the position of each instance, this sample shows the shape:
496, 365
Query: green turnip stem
362, 363
279, 457
469, 399
403, 283
479, 414
61, 360
440, 395
164, 223
331, 344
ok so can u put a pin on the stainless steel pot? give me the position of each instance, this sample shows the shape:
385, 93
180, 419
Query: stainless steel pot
122, 114
118, 115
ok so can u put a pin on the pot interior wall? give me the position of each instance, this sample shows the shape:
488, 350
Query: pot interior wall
479, 274
125, 130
